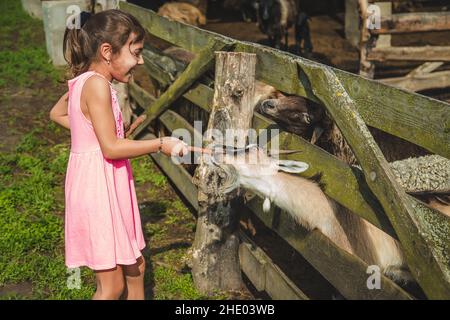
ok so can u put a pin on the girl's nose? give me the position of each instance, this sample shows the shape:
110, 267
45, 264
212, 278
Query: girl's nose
141, 59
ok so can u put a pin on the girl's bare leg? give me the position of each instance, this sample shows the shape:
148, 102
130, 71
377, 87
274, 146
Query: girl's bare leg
134, 280
110, 284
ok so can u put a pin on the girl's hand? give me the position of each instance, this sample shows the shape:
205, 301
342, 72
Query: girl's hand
172, 146
130, 128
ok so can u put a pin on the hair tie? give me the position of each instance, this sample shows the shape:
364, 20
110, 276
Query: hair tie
84, 17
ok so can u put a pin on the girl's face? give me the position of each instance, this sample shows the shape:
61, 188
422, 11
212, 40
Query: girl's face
124, 62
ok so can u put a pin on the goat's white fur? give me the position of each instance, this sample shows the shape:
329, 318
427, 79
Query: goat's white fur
304, 200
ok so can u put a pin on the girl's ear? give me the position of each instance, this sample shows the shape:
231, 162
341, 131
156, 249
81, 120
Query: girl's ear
291, 166
106, 51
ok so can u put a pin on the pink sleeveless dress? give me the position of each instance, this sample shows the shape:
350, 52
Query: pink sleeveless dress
102, 222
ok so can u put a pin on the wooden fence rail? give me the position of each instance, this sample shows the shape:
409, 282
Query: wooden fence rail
372, 192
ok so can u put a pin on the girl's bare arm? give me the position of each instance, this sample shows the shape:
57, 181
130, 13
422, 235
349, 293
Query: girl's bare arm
98, 99
59, 114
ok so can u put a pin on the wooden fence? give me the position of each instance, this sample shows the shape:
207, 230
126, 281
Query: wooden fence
376, 46
371, 192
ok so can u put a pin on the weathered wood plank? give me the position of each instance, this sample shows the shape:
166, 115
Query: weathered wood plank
435, 80
264, 274
333, 256
332, 262
179, 176
431, 273
413, 22
425, 53
415, 118
343, 183
215, 262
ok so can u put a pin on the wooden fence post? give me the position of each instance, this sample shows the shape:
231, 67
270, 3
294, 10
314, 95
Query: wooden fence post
215, 250
366, 67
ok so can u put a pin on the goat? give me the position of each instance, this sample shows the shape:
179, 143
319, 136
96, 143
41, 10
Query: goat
246, 7
308, 205
293, 114
310, 121
276, 17
182, 12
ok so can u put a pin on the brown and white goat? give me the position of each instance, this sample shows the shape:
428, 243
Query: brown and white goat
308, 205
183, 12
310, 121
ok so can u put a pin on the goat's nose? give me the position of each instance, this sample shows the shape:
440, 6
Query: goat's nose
268, 104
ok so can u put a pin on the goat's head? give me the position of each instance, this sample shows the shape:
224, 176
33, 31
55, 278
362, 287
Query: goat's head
252, 164
264, 8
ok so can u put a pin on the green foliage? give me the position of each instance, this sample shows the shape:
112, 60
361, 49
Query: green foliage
171, 285
31, 234
144, 171
23, 57
32, 194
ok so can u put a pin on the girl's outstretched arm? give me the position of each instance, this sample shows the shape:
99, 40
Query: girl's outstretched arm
97, 95
59, 114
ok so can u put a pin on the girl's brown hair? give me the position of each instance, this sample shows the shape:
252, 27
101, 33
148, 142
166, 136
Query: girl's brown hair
80, 45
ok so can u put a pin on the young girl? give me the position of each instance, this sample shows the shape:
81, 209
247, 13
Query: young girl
102, 224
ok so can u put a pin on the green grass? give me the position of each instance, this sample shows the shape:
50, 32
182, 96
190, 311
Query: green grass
31, 233
171, 285
32, 229
145, 171
32, 186
23, 57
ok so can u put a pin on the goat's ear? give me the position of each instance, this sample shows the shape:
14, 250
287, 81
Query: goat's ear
292, 166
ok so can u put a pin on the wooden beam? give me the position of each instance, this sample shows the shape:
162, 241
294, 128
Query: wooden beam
331, 261
343, 183
425, 53
430, 272
215, 262
366, 67
415, 118
176, 173
344, 263
413, 22
265, 274
435, 80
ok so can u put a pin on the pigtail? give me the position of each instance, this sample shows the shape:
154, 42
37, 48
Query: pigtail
75, 47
